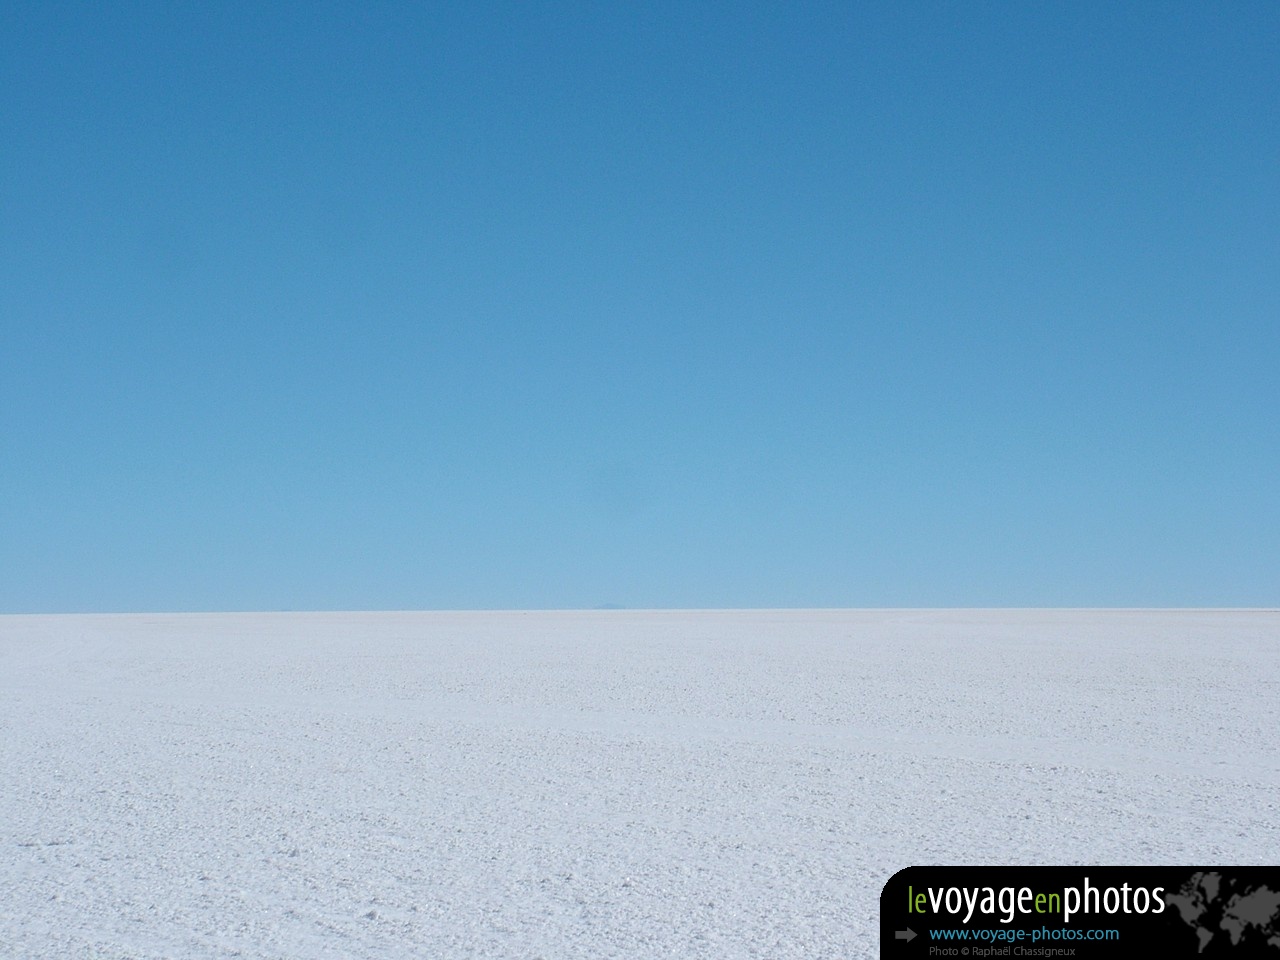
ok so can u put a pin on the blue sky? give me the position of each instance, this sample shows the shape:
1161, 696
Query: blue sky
370, 305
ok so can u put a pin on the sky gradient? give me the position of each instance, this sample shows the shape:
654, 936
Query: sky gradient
395, 306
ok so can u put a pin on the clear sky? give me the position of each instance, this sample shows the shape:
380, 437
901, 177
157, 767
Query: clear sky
359, 305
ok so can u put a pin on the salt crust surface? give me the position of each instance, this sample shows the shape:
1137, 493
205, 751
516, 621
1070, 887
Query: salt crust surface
554, 785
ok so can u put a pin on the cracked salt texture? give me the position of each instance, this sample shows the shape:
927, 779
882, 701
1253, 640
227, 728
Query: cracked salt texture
713, 784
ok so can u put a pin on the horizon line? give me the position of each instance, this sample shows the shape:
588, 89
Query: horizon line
625, 610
